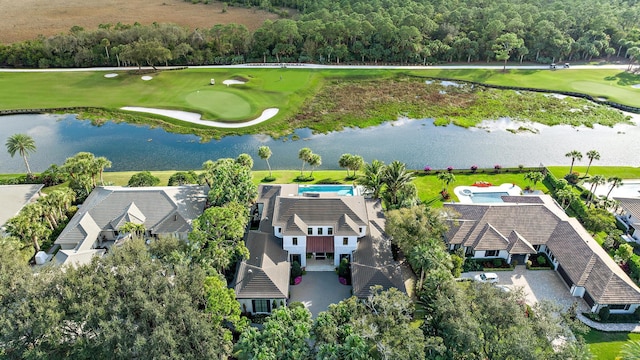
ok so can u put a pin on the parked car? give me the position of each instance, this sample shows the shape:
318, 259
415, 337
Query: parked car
486, 278
566, 65
503, 288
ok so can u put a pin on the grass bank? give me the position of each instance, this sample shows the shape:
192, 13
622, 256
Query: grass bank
607, 345
323, 100
623, 172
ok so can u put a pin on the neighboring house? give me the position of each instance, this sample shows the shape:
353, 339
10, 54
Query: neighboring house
13, 198
288, 226
96, 226
525, 225
630, 215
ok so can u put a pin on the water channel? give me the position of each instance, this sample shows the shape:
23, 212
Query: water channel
418, 143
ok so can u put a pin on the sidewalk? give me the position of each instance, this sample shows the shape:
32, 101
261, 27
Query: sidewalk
609, 327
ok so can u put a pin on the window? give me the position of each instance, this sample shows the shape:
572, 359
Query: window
330, 231
361, 230
491, 253
319, 231
261, 306
345, 241
619, 306
309, 231
277, 229
294, 241
536, 247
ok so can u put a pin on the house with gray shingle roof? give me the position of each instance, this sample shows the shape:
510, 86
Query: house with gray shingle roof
96, 226
14, 197
631, 215
288, 226
517, 229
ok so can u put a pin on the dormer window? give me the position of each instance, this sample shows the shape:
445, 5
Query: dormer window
330, 231
294, 241
309, 231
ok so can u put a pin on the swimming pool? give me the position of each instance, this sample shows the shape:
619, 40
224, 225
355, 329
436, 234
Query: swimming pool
342, 190
488, 197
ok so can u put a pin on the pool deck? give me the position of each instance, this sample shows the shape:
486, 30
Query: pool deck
511, 189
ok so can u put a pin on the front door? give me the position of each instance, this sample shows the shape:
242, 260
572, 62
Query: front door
295, 257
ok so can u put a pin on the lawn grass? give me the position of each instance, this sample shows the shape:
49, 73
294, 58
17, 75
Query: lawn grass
623, 172
607, 345
614, 85
292, 91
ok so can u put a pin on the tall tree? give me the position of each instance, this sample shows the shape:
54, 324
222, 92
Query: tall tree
615, 182
314, 161
305, 155
228, 182
22, 144
265, 153
410, 227
142, 179
591, 155
504, 45
245, 160
595, 181
447, 179
343, 162
101, 163
398, 185
284, 336
372, 179
574, 155
534, 177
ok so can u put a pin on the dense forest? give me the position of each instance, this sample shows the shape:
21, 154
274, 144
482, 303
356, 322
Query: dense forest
350, 31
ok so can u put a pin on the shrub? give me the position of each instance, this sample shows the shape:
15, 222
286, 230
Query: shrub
572, 178
636, 313
457, 265
427, 169
450, 168
604, 313
520, 167
497, 262
296, 270
343, 268
514, 263
542, 260
529, 263
474, 168
497, 167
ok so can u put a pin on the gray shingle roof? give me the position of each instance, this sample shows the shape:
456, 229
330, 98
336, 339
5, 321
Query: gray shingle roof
320, 211
490, 239
373, 262
161, 209
586, 263
265, 274
630, 205
14, 197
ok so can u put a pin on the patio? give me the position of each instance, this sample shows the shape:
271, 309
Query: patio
318, 290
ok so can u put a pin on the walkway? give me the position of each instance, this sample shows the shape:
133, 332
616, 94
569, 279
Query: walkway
318, 290
609, 327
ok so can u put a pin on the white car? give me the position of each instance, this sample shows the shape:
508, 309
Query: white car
503, 288
486, 278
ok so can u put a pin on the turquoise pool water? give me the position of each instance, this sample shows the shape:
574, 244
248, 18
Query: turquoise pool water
342, 190
488, 197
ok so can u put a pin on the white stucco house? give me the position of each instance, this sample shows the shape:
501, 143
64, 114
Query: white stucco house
525, 225
289, 225
630, 216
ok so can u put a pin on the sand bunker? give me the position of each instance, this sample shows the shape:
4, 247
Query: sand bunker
146, 78
112, 75
233, 82
195, 117
636, 86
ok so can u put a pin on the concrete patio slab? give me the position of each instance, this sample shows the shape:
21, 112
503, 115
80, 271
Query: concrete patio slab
318, 290
537, 285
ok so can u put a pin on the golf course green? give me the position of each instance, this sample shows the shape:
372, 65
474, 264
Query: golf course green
226, 105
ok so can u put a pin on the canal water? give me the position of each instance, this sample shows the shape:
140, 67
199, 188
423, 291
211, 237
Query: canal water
418, 143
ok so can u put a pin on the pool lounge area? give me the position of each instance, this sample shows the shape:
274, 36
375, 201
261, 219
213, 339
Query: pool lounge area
485, 194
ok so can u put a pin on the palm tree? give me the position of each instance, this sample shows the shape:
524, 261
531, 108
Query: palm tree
396, 177
592, 155
101, 163
265, 153
595, 181
304, 154
615, 183
631, 350
314, 161
566, 196
22, 144
573, 154
534, 177
372, 180
420, 258
447, 178
343, 162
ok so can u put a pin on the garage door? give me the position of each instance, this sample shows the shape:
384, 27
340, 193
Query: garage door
565, 276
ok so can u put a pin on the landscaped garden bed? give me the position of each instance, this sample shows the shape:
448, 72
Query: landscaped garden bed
539, 261
486, 264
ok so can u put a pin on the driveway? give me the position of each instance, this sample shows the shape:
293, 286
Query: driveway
318, 290
537, 285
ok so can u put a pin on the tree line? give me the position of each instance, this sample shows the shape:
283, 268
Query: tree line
348, 31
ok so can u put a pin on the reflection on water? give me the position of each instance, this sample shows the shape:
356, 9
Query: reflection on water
415, 142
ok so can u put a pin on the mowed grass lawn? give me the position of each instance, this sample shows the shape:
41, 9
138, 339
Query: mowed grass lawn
187, 90
607, 345
614, 85
287, 89
623, 172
